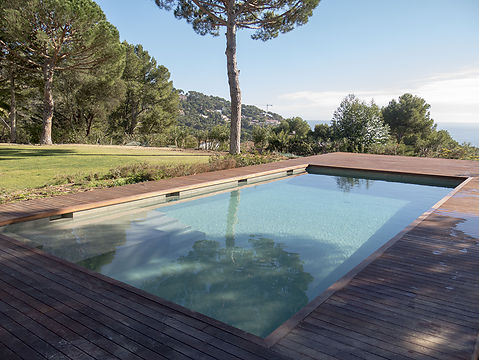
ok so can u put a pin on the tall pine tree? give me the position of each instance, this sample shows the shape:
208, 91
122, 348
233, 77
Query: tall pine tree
268, 18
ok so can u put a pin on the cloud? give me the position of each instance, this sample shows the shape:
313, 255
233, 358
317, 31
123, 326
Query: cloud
454, 97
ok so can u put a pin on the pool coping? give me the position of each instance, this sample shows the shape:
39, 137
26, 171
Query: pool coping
283, 329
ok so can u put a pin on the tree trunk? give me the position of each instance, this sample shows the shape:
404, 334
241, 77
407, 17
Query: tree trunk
133, 121
13, 108
89, 123
232, 218
233, 80
48, 104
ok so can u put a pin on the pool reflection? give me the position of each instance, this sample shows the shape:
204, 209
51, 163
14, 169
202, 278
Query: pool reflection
244, 287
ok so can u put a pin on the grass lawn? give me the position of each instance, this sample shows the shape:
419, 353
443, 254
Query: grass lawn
27, 167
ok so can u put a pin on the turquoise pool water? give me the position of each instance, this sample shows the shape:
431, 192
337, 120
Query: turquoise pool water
250, 257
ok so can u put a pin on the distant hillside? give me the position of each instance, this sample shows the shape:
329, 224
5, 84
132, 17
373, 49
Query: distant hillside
202, 112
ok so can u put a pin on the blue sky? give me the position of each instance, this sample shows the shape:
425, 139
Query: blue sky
376, 49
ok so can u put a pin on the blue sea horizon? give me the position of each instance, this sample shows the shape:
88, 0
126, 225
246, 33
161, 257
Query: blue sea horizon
461, 132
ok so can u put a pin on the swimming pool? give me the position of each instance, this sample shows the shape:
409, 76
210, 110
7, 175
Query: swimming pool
251, 256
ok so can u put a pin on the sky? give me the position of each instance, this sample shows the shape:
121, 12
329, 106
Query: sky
375, 49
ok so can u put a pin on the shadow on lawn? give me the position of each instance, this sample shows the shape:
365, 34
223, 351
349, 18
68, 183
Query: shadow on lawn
143, 155
16, 153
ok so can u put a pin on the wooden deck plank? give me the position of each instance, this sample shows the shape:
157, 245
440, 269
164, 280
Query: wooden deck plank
75, 332
333, 344
300, 351
417, 319
380, 345
30, 339
101, 322
88, 350
376, 328
11, 343
368, 297
432, 303
6, 353
89, 328
433, 309
449, 292
42, 330
424, 329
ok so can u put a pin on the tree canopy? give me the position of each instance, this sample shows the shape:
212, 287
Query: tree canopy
361, 124
58, 35
84, 102
267, 18
151, 104
409, 118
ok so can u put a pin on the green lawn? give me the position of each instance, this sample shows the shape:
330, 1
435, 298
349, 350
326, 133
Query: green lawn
27, 167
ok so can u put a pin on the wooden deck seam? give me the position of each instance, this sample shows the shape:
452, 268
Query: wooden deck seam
92, 328
19, 345
345, 318
101, 353
118, 344
367, 343
407, 300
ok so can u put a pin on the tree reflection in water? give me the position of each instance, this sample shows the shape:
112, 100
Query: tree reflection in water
346, 184
254, 288
244, 287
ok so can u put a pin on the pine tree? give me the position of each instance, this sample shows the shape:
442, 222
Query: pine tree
268, 18
59, 35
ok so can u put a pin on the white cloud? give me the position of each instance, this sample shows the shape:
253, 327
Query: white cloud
454, 97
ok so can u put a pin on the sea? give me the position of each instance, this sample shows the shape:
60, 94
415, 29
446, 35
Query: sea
461, 132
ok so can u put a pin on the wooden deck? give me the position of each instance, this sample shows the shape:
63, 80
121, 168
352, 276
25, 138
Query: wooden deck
416, 300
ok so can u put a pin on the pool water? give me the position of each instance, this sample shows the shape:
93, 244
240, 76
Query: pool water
250, 257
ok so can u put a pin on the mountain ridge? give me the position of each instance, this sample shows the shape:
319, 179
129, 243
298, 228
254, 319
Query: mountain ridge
203, 112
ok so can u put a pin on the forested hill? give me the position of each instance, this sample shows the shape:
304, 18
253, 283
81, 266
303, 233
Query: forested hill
202, 112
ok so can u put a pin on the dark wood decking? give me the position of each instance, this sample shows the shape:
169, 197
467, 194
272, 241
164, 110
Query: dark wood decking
418, 300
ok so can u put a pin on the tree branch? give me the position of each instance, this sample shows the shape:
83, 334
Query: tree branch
208, 12
206, 3
6, 124
270, 20
246, 3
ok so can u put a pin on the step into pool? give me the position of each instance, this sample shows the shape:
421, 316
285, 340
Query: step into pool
250, 256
